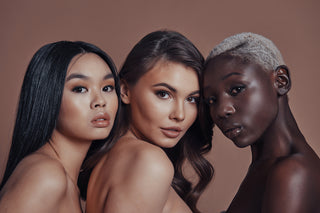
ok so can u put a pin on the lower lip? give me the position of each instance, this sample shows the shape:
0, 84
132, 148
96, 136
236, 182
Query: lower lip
170, 133
233, 133
101, 123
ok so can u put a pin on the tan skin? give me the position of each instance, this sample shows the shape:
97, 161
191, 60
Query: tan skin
45, 181
250, 106
136, 175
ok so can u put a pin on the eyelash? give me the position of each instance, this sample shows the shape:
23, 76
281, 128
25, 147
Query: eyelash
108, 86
162, 93
236, 90
194, 99
165, 95
79, 89
82, 89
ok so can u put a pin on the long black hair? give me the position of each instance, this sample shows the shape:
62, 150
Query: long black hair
174, 47
41, 95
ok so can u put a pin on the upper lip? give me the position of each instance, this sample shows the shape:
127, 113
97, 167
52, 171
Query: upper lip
101, 116
173, 128
228, 128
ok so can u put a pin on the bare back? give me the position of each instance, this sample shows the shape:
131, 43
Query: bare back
135, 176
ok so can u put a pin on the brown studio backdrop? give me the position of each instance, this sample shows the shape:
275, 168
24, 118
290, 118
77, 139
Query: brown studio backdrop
117, 26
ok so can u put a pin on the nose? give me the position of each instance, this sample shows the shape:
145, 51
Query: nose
178, 111
98, 101
225, 109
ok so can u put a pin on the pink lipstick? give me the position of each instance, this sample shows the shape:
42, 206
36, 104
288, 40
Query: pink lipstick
101, 120
171, 132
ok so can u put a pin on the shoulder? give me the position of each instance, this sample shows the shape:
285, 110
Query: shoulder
151, 160
289, 185
134, 157
36, 181
142, 178
46, 173
290, 170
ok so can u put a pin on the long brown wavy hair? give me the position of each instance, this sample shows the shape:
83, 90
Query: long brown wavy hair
174, 47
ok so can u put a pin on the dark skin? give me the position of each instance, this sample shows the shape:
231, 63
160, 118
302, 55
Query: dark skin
250, 106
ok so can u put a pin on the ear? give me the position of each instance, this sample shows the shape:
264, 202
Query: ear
282, 80
124, 92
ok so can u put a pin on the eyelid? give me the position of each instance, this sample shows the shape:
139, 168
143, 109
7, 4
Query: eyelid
75, 89
109, 86
238, 88
159, 91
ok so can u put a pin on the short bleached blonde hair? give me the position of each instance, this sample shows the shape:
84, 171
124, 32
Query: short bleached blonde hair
249, 46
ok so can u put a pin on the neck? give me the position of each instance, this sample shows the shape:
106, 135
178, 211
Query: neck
280, 138
70, 152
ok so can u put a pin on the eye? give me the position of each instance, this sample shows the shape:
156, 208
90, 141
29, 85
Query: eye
193, 99
211, 100
79, 89
162, 94
236, 90
108, 88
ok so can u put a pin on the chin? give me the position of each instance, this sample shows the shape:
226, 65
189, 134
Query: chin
241, 144
167, 144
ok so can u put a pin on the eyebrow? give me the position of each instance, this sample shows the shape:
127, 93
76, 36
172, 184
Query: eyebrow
76, 75
230, 74
173, 89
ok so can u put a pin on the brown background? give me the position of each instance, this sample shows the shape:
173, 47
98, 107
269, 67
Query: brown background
116, 26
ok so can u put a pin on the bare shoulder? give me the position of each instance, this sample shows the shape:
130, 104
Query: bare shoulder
142, 178
292, 170
148, 159
37, 184
292, 186
135, 157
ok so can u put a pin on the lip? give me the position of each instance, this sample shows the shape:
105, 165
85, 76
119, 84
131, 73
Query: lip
101, 120
171, 132
232, 132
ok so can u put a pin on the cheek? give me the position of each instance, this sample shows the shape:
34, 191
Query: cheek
191, 114
112, 105
260, 110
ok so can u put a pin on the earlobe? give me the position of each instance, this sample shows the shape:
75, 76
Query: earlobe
282, 80
125, 93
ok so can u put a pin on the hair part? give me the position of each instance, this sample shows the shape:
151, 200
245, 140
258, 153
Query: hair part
250, 47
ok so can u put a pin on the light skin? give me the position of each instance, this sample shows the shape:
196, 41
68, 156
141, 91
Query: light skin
45, 181
249, 105
136, 175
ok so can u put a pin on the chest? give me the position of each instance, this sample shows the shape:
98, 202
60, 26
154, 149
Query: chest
249, 197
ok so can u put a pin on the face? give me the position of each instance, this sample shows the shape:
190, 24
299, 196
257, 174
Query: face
163, 103
89, 102
242, 99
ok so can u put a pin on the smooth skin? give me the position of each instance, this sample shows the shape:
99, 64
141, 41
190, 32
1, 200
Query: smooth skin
45, 181
250, 106
136, 175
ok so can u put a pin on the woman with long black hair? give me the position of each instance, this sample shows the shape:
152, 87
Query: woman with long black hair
68, 102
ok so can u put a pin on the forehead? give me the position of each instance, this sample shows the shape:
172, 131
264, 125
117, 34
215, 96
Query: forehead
172, 73
222, 68
88, 62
